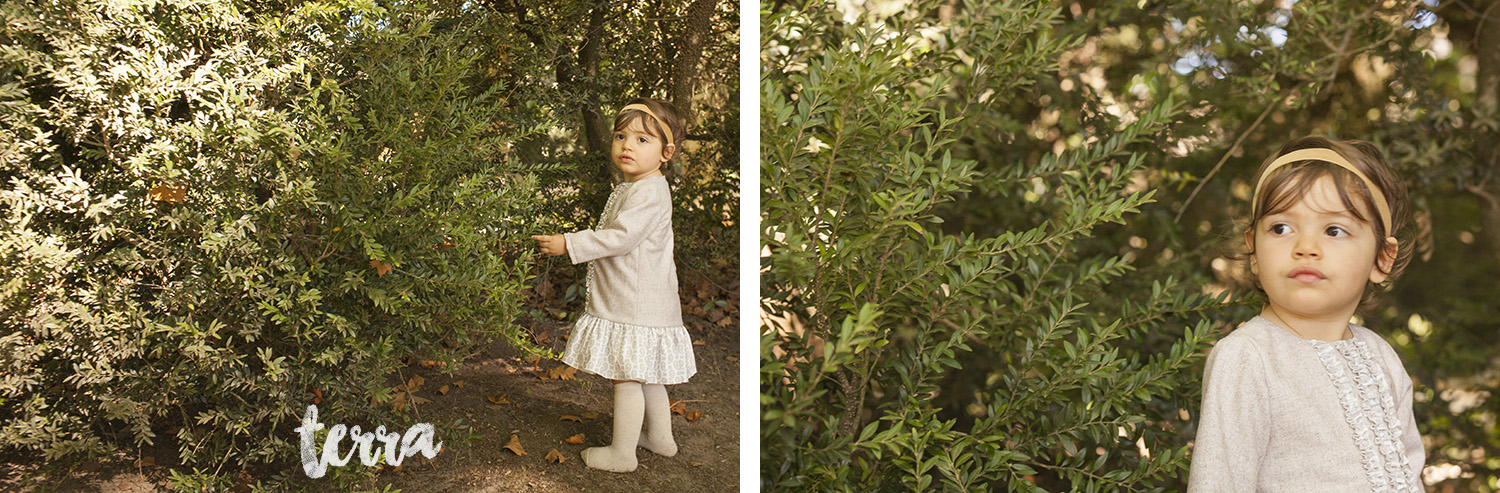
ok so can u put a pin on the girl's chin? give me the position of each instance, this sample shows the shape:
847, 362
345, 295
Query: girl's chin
1314, 307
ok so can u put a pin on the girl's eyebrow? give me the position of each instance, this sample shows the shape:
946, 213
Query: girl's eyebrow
1343, 214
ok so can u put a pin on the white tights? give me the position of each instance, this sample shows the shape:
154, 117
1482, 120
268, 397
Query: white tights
636, 404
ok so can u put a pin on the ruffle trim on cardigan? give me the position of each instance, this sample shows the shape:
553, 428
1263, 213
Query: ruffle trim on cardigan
618, 351
1370, 412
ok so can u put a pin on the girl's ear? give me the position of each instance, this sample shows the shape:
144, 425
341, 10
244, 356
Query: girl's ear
1385, 259
667, 152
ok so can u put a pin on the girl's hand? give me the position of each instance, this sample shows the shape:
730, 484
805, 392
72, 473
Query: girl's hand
551, 244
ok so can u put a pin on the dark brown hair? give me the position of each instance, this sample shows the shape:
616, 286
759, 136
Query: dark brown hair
664, 110
1286, 186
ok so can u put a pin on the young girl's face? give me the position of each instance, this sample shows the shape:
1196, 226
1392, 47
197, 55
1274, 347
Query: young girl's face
1314, 258
637, 153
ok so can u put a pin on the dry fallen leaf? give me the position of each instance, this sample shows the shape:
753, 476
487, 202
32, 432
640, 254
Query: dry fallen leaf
533, 359
418, 400
678, 407
698, 342
569, 417
399, 402
380, 269
442, 390
555, 456
515, 445
498, 399
725, 322
589, 415
145, 461
544, 338
429, 364
575, 439
458, 384
415, 383
694, 415
563, 372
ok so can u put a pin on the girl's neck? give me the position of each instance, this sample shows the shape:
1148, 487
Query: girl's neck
633, 179
1317, 329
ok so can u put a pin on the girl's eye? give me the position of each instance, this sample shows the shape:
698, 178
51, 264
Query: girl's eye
1280, 229
1336, 231
619, 136
643, 140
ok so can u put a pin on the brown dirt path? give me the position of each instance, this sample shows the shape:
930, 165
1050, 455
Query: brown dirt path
708, 456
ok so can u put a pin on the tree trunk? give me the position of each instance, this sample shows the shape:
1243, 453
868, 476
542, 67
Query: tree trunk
1487, 101
596, 130
696, 24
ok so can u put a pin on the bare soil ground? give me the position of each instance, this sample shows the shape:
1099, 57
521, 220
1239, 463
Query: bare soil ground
707, 460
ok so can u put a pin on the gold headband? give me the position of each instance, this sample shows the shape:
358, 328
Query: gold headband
647, 110
1327, 156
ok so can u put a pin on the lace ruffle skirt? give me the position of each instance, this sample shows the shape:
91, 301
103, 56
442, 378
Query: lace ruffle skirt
619, 351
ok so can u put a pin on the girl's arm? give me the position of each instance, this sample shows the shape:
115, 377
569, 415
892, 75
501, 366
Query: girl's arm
1233, 424
644, 210
1411, 439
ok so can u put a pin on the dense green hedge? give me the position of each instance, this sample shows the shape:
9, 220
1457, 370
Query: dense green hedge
907, 351
217, 212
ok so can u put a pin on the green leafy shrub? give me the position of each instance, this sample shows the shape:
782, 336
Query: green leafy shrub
215, 214
903, 351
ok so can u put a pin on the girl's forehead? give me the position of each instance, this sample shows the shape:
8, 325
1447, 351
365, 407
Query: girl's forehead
1322, 197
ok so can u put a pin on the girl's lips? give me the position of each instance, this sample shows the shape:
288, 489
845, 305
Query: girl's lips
1306, 274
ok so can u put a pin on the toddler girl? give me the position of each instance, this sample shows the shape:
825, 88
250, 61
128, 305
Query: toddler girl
1299, 398
631, 330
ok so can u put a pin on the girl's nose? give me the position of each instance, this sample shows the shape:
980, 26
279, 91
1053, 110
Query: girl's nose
1306, 246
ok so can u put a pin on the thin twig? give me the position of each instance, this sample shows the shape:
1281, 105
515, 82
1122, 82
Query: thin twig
1230, 151
1482, 16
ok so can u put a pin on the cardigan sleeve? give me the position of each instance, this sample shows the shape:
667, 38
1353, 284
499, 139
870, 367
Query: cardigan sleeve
1233, 425
642, 210
1401, 385
1410, 437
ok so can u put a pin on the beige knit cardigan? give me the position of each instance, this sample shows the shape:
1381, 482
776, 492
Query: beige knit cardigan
1282, 413
635, 278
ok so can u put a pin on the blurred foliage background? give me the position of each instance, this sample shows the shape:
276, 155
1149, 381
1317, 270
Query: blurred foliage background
1067, 82
218, 212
